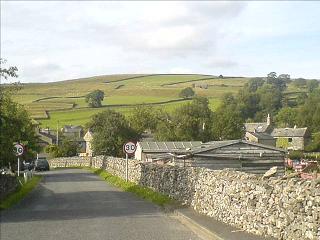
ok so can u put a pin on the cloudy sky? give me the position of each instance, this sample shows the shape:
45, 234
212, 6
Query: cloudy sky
52, 41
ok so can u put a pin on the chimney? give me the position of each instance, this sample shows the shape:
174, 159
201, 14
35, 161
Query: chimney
268, 120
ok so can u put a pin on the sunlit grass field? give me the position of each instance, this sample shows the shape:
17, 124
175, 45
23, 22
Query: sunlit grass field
65, 101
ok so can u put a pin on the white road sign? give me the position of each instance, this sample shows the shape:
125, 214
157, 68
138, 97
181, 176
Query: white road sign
129, 147
19, 149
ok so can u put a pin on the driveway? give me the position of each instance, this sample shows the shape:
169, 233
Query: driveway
76, 204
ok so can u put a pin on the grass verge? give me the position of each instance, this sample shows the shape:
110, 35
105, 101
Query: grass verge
143, 192
20, 193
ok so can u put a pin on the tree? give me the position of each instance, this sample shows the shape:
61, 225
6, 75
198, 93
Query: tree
144, 118
286, 117
187, 93
7, 72
227, 123
314, 146
15, 124
279, 83
67, 148
309, 112
95, 98
285, 77
312, 85
253, 84
110, 131
270, 99
193, 121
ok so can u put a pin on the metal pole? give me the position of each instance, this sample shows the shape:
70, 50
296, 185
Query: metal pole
127, 170
18, 167
58, 133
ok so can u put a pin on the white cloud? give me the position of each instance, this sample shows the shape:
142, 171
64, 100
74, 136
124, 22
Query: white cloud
60, 40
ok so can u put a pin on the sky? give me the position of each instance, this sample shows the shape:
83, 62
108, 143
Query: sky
58, 40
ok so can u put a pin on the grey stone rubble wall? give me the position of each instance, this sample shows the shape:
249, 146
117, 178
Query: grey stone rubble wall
69, 162
8, 184
282, 208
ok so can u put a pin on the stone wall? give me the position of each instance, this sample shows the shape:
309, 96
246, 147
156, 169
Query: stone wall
278, 207
8, 184
69, 162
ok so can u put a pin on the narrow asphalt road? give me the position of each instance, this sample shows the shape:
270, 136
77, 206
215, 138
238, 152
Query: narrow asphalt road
75, 204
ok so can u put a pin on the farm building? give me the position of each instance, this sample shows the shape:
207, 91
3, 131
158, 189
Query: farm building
150, 151
239, 155
291, 138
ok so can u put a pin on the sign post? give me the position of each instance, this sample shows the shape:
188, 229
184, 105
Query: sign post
19, 151
129, 148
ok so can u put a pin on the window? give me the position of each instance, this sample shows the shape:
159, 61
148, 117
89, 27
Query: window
289, 140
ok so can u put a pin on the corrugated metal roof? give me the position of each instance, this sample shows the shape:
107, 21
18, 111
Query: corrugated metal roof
289, 132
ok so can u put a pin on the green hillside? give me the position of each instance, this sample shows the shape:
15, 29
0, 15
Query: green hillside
65, 100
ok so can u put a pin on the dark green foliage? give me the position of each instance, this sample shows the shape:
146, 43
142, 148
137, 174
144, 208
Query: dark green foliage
309, 112
286, 117
270, 99
15, 125
314, 146
187, 93
95, 98
227, 120
110, 131
145, 118
67, 148
193, 120
277, 82
253, 84
296, 155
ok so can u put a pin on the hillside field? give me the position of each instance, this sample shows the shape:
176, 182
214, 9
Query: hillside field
64, 101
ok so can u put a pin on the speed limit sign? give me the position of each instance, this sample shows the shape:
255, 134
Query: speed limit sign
19, 149
129, 148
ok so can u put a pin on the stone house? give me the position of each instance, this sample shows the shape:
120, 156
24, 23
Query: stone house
291, 138
151, 151
262, 127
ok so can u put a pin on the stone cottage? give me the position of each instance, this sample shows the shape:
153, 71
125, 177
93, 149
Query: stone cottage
291, 138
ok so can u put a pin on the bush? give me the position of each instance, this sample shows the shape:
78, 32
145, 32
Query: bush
187, 93
296, 155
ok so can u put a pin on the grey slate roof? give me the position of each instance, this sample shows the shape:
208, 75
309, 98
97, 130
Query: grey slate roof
263, 136
70, 128
289, 132
256, 127
168, 146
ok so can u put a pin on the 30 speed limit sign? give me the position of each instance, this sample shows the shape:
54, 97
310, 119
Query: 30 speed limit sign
129, 148
19, 149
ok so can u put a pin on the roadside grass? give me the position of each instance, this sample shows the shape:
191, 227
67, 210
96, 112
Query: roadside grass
21, 192
143, 192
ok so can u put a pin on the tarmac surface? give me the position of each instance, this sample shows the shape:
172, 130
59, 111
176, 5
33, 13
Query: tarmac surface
73, 204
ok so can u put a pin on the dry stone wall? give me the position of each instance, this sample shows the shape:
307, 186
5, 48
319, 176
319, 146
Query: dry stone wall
282, 208
8, 184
